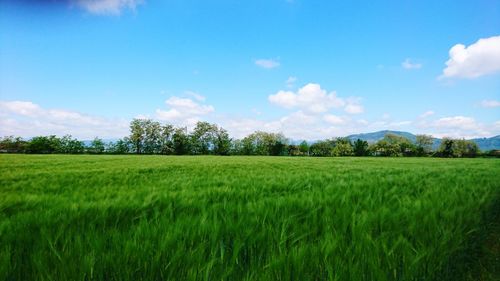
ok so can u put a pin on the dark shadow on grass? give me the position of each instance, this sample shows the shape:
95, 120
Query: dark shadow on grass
480, 259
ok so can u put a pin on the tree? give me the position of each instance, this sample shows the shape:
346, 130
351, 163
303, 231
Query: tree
137, 134
180, 141
202, 138
386, 148
96, 146
394, 145
166, 139
360, 148
12, 144
236, 147
446, 148
44, 145
424, 144
70, 145
321, 148
121, 146
152, 136
222, 142
465, 148
304, 148
343, 147
293, 150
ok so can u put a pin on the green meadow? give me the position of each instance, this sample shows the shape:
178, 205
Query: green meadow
104, 217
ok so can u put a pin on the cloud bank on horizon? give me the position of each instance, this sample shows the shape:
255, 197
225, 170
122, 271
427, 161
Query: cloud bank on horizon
326, 88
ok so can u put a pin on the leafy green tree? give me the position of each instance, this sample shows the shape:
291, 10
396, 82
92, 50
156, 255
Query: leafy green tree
121, 146
385, 148
424, 144
137, 134
180, 141
321, 148
236, 148
304, 148
263, 143
70, 145
465, 148
202, 138
152, 143
360, 148
166, 140
446, 148
97, 146
294, 150
44, 145
11, 144
343, 147
394, 145
222, 142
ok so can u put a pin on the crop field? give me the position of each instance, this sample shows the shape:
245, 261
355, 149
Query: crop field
85, 217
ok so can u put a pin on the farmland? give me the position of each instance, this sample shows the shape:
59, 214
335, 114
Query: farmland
87, 217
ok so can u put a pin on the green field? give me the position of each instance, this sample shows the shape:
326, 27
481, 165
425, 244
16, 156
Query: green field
247, 218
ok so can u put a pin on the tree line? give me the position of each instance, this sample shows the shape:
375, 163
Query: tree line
151, 137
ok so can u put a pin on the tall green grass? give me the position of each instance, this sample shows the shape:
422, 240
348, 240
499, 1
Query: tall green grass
242, 218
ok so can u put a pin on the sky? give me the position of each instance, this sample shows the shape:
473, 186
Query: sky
308, 69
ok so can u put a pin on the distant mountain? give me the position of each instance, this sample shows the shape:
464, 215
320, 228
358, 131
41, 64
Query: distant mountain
483, 143
488, 143
376, 136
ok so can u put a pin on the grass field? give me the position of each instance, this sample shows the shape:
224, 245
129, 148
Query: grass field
247, 218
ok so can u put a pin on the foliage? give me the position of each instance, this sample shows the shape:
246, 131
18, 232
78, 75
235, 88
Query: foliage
394, 145
457, 148
44, 145
322, 148
342, 147
97, 146
360, 148
11, 144
423, 145
151, 137
68, 217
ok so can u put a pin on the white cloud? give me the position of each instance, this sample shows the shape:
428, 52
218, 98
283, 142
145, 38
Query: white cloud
25, 108
183, 111
27, 119
334, 119
407, 64
456, 127
312, 99
490, 103
107, 7
478, 59
458, 122
267, 63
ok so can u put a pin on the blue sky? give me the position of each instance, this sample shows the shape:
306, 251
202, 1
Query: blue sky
309, 69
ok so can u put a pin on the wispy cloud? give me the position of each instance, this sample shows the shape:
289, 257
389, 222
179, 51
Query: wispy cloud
107, 7
490, 103
194, 95
427, 114
408, 64
267, 63
290, 82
